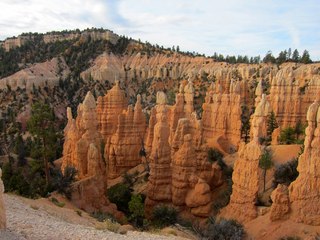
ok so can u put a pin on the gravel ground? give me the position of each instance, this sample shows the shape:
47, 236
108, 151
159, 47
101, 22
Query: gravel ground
24, 222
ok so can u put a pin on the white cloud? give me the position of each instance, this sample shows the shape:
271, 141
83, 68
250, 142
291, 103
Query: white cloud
229, 27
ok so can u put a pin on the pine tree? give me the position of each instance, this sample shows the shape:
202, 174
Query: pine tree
295, 56
265, 163
41, 125
272, 124
305, 57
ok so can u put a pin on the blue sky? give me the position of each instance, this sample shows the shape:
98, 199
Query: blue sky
246, 27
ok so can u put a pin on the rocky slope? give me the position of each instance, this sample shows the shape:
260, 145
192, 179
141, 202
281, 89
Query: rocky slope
40, 219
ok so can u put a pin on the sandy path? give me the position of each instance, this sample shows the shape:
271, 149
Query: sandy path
25, 222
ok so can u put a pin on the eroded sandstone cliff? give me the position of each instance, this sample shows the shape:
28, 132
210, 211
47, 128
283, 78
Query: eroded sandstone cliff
245, 175
304, 192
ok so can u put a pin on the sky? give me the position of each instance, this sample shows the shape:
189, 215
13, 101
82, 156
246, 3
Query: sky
230, 27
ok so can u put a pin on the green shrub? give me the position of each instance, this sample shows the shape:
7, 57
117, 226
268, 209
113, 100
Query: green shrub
120, 194
286, 173
102, 216
136, 208
57, 203
163, 216
224, 229
62, 182
287, 136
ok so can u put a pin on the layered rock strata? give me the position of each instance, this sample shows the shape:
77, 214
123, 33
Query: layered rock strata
293, 89
82, 150
82, 147
221, 117
109, 107
304, 192
198, 199
122, 152
184, 167
280, 203
245, 176
3, 221
159, 184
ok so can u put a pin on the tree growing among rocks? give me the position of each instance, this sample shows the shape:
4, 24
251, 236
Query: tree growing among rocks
265, 163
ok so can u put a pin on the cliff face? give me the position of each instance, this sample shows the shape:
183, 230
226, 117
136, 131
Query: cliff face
38, 75
82, 150
122, 151
245, 176
82, 147
2, 209
304, 192
159, 184
109, 107
221, 117
292, 91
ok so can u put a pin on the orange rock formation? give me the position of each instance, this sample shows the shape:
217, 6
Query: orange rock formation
123, 148
293, 89
82, 150
159, 184
2, 209
304, 191
280, 203
245, 176
184, 166
221, 118
109, 107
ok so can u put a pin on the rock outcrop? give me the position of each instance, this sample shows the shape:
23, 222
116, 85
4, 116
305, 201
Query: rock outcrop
184, 167
245, 176
3, 221
198, 199
159, 184
38, 75
122, 152
109, 107
304, 192
293, 89
82, 150
280, 203
221, 117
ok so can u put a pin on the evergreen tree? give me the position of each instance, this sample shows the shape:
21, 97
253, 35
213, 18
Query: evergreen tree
269, 58
305, 57
272, 124
295, 56
41, 125
265, 163
282, 57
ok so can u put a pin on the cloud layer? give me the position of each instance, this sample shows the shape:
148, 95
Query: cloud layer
247, 27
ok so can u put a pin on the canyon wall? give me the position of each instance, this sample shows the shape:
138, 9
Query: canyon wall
82, 150
304, 192
122, 150
2, 209
38, 75
221, 117
245, 175
159, 182
293, 89
122, 128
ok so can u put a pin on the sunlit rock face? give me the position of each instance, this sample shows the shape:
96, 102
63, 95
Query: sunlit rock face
245, 176
304, 192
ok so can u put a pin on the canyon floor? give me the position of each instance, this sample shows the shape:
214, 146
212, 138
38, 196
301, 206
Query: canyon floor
41, 219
